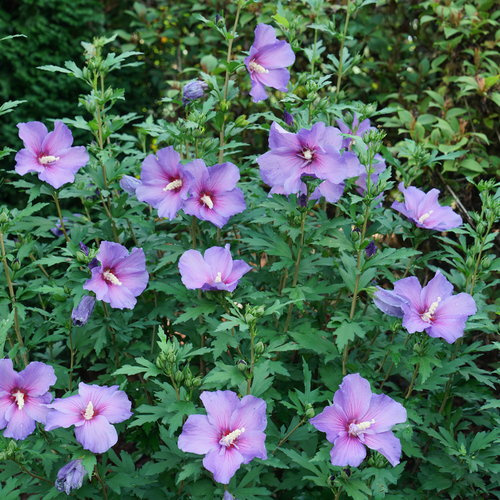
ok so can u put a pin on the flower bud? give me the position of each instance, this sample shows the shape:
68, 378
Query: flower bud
82, 312
310, 411
129, 184
196, 382
288, 118
70, 477
179, 377
371, 249
84, 248
193, 90
16, 265
4, 217
242, 365
259, 348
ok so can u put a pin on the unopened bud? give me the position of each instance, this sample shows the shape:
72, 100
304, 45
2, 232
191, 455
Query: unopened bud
259, 348
16, 265
242, 365
179, 377
310, 411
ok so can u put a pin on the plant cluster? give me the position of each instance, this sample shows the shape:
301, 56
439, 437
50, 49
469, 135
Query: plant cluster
216, 304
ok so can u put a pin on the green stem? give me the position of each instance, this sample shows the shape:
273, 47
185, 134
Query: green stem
72, 358
252, 357
102, 483
297, 267
345, 355
341, 54
59, 213
12, 296
412, 382
226, 80
288, 434
32, 474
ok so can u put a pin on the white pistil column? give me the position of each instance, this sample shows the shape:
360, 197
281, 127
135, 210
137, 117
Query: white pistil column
230, 438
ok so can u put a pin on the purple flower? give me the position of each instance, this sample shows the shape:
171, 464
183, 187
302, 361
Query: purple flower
432, 309
425, 211
82, 312
193, 90
356, 128
371, 249
389, 302
216, 270
129, 184
214, 195
357, 419
266, 62
312, 152
164, 182
84, 248
70, 477
57, 231
49, 153
230, 434
121, 277
288, 118
23, 397
91, 411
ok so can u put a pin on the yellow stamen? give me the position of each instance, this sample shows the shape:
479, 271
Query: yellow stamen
48, 159
257, 67
173, 185
89, 411
231, 437
208, 201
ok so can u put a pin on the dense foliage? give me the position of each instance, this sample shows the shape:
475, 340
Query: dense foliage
308, 312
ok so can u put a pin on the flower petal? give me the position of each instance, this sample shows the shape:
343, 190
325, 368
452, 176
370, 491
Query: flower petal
385, 411
37, 378
194, 270
32, 134
275, 55
111, 253
8, 376
438, 287
264, 35
220, 406
409, 289
198, 435
258, 92
223, 177
387, 444
96, 435
252, 444
347, 451
59, 139
107, 401
353, 396
389, 302
26, 161
331, 420
276, 78
20, 425
219, 260
65, 412
251, 415
131, 271
223, 463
